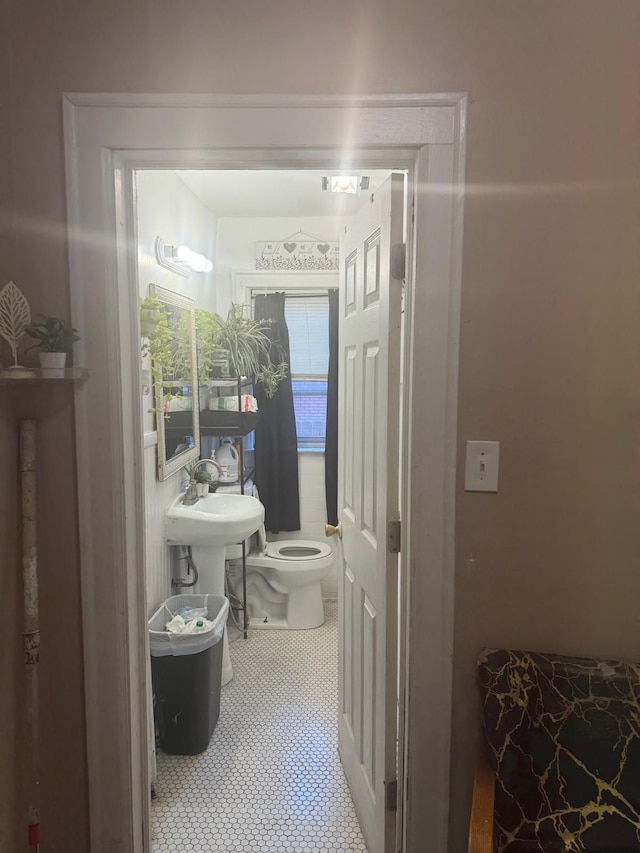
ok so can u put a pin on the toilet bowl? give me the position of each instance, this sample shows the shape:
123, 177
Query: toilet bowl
283, 583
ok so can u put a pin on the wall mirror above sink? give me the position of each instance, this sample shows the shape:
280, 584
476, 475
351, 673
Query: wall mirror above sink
176, 385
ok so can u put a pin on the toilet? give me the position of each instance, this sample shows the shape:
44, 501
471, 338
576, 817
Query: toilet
283, 582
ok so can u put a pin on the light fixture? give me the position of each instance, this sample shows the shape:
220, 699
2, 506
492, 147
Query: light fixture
181, 259
349, 184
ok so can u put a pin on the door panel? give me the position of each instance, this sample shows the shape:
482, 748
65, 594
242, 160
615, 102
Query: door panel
369, 378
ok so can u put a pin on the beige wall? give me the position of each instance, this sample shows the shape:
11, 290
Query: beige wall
549, 351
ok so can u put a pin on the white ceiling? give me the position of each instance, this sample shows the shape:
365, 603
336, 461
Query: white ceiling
273, 193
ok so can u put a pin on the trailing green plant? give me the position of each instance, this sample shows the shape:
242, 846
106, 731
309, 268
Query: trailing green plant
245, 340
250, 348
157, 346
52, 335
271, 375
151, 311
207, 343
181, 347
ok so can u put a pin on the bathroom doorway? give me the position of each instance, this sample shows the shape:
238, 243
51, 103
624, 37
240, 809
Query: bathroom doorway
109, 136
265, 231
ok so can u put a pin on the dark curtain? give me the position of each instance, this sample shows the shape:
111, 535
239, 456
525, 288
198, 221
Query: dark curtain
276, 440
331, 443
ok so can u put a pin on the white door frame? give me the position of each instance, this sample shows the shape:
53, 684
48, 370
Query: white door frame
107, 136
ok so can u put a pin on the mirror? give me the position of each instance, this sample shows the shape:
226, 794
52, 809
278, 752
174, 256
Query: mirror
176, 388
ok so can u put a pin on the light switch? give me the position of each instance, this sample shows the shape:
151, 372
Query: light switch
481, 466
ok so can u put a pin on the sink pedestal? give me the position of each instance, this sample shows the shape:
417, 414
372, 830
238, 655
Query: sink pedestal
209, 561
209, 525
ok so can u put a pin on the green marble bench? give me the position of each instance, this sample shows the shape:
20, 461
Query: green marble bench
562, 744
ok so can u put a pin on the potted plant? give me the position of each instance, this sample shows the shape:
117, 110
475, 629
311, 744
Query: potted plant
203, 478
249, 348
54, 339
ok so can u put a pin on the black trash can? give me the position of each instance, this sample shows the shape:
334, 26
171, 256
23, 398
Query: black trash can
186, 672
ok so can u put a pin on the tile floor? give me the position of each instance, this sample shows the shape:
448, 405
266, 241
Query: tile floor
271, 779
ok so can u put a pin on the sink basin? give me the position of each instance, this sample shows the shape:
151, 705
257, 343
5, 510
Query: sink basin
214, 521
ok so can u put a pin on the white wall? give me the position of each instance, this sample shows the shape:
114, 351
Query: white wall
237, 236
236, 240
167, 209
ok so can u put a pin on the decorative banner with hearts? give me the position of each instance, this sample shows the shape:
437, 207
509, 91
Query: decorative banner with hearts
297, 253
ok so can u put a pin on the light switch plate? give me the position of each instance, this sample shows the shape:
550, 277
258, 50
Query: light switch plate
481, 466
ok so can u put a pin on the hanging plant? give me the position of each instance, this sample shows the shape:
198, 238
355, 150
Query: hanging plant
151, 310
181, 349
270, 376
207, 344
157, 346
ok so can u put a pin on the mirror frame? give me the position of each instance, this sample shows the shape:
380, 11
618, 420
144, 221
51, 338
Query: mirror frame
168, 467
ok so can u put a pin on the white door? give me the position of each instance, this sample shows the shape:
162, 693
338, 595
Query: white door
369, 410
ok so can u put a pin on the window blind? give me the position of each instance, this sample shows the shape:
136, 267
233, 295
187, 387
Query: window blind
308, 323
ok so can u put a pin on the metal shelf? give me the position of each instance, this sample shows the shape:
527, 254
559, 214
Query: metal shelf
221, 424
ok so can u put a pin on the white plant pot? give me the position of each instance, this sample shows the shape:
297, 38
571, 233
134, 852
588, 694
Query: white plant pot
53, 361
202, 489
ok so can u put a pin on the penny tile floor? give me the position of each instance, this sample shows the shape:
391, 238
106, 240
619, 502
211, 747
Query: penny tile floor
271, 779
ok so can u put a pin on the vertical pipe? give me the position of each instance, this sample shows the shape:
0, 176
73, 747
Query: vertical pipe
244, 547
241, 423
245, 617
31, 629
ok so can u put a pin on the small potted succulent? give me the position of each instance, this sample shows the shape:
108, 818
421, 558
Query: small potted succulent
202, 478
54, 339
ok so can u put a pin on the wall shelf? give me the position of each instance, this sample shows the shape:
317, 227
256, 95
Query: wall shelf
31, 375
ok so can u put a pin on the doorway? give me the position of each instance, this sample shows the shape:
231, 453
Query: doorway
268, 231
104, 144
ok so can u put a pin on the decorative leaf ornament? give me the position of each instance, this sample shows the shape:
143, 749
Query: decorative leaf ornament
15, 316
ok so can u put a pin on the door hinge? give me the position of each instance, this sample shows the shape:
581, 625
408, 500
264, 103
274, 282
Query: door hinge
394, 532
391, 795
398, 261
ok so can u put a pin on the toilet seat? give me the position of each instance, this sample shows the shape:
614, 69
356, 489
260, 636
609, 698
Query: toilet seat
281, 582
291, 550
297, 550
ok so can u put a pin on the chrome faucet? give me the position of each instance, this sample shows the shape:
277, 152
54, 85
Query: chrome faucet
191, 495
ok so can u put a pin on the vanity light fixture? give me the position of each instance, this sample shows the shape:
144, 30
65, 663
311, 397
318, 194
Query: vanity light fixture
349, 184
181, 259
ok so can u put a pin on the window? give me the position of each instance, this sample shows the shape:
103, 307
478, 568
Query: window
308, 323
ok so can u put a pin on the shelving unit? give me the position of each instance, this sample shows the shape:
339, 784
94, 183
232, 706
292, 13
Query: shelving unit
223, 424
235, 425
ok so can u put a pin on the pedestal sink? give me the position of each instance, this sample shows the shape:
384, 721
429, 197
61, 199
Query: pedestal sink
209, 525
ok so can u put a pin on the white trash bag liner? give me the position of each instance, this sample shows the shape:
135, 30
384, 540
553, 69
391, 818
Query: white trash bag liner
163, 642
